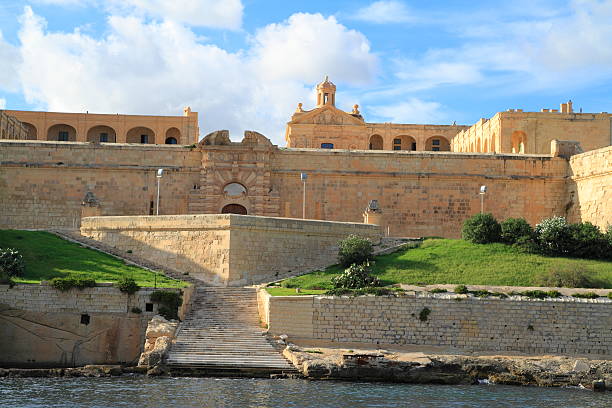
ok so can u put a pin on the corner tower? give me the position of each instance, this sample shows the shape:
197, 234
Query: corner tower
326, 93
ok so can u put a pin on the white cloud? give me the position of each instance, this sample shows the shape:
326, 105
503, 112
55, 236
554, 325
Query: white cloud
438, 72
208, 13
413, 110
2, 103
159, 67
385, 11
308, 46
9, 58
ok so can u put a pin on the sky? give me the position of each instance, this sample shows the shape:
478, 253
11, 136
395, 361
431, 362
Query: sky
245, 64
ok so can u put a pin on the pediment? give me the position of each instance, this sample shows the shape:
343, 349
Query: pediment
327, 115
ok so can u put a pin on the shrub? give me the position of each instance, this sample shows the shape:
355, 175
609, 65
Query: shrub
481, 229
553, 236
65, 284
588, 241
424, 314
567, 276
528, 245
586, 295
438, 290
127, 285
11, 262
354, 250
609, 295
355, 277
136, 310
515, 229
461, 289
538, 294
169, 301
5, 279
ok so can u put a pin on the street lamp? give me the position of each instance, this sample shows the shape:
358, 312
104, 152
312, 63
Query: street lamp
483, 191
303, 177
160, 173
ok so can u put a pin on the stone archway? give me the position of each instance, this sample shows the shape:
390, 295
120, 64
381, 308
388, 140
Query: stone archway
140, 134
439, 144
376, 142
102, 134
234, 209
62, 133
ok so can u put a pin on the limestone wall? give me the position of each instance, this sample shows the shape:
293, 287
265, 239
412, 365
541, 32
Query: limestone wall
564, 326
227, 249
41, 326
590, 189
421, 194
43, 184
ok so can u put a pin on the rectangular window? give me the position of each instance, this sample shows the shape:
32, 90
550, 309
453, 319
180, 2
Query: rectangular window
435, 149
413, 147
397, 147
103, 137
62, 136
397, 141
435, 142
144, 138
327, 145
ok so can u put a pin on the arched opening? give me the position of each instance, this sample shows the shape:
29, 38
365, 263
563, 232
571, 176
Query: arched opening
478, 145
173, 135
519, 140
141, 134
32, 133
234, 209
102, 134
62, 133
3, 134
485, 148
403, 142
437, 144
234, 190
376, 142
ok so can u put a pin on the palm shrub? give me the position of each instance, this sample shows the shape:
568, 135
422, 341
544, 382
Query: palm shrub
481, 228
11, 263
355, 277
354, 250
514, 230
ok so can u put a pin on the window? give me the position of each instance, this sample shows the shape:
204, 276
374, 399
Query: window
62, 136
104, 137
413, 147
397, 144
327, 145
435, 149
144, 138
234, 190
170, 140
435, 142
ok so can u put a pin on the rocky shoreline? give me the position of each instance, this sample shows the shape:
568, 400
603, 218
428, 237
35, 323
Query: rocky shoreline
419, 368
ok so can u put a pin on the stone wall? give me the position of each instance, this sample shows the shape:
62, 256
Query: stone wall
228, 249
590, 189
563, 326
41, 326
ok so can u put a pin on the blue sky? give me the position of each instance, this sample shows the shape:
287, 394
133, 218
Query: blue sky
245, 64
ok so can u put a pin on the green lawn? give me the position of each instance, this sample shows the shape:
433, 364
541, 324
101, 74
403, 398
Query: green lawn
47, 256
450, 261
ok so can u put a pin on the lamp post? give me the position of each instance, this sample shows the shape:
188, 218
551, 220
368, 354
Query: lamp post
160, 172
483, 191
303, 177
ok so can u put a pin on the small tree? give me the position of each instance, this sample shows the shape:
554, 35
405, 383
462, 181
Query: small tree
11, 262
354, 250
514, 230
481, 229
355, 277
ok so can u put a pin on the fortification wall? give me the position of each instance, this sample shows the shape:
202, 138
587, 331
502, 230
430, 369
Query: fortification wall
227, 249
41, 326
563, 326
590, 189
422, 193
43, 184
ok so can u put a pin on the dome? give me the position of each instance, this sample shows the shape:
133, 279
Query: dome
326, 84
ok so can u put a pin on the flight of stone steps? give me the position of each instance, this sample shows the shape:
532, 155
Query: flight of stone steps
222, 335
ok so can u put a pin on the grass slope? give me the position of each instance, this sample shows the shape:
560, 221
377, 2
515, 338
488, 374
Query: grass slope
450, 261
47, 256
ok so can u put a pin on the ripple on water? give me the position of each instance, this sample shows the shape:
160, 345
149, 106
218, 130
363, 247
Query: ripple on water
229, 392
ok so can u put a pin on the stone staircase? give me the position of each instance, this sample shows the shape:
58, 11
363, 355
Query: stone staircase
222, 336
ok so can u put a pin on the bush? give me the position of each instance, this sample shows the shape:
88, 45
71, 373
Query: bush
65, 284
136, 310
481, 229
609, 295
11, 262
127, 285
354, 250
588, 241
515, 229
528, 245
6, 280
586, 295
355, 277
538, 294
169, 303
554, 237
461, 289
438, 290
567, 276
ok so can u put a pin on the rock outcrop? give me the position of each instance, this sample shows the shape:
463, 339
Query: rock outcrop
158, 338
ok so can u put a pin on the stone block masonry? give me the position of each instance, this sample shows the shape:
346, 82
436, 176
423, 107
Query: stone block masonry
557, 326
228, 249
43, 327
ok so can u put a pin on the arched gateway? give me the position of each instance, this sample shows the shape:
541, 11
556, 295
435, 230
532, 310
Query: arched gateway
234, 209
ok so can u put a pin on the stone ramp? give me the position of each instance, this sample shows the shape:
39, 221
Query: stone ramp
222, 336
